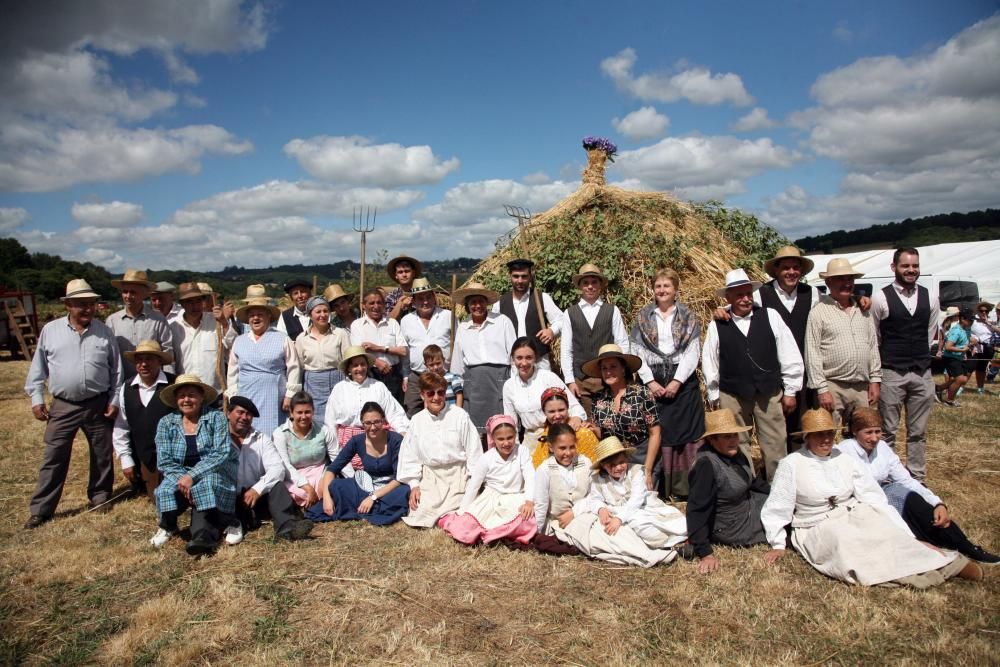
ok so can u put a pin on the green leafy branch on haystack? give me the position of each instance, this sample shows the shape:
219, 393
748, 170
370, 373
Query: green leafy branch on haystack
758, 241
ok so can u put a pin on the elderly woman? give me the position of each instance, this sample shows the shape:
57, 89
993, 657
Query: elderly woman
482, 353
305, 447
522, 394
625, 408
437, 454
321, 350
199, 466
555, 407
666, 336
343, 411
372, 493
263, 365
841, 522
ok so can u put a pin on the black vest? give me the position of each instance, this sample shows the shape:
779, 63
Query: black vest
142, 421
532, 324
797, 319
292, 325
904, 345
588, 340
748, 365
736, 520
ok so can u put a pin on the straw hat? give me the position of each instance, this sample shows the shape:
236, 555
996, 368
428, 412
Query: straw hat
207, 289
353, 352
189, 291
840, 266
474, 289
134, 277
817, 421
786, 252
297, 282
951, 311
256, 299
607, 448
421, 285
722, 422
390, 268
78, 288
164, 287
149, 347
334, 291
611, 351
186, 380
589, 269
737, 278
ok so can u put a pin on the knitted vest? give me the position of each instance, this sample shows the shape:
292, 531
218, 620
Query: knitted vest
799, 315
143, 419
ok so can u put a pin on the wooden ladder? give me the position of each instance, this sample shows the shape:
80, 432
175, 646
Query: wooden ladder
20, 326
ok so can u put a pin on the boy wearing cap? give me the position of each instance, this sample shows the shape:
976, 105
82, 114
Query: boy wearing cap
403, 271
137, 322
520, 305
295, 320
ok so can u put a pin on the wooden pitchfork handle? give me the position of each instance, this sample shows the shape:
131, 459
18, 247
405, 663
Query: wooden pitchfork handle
219, 375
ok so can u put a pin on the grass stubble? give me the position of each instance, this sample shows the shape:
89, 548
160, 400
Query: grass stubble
87, 588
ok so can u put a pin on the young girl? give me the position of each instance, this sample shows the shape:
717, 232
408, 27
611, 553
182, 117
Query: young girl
619, 497
562, 485
505, 508
555, 405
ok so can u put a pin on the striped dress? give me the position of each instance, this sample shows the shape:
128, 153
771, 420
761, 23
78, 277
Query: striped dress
263, 376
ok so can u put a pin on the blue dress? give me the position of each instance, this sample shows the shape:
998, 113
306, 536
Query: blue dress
347, 494
263, 376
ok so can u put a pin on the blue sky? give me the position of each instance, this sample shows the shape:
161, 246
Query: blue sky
203, 134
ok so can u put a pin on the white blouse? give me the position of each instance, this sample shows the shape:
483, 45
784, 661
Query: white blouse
343, 408
488, 343
631, 487
324, 351
568, 476
523, 400
885, 466
439, 440
515, 475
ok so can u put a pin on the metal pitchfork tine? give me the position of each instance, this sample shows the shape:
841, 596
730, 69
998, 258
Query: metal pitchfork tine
363, 221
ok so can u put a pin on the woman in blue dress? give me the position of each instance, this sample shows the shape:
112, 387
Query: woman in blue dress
263, 365
373, 494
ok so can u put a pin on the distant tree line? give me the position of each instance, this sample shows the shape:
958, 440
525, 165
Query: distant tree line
933, 229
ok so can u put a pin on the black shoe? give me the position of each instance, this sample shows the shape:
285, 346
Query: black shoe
979, 554
685, 551
297, 529
200, 547
36, 521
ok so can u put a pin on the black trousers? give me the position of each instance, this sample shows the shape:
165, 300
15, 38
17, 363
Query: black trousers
919, 516
206, 525
276, 504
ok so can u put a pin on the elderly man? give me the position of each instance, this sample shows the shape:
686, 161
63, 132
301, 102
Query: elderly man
136, 321
381, 337
162, 299
907, 317
842, 361
753, 367
403, 271
426, 325
79, 358
295, 320
201, 339
260, 479
521, 307
134, 436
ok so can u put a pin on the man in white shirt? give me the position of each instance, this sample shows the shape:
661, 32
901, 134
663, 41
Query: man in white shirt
201, 340
521, 306
260, 480
752, 366
426, 325
381, 337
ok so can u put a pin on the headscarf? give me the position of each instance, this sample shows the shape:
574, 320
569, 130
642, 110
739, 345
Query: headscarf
317, 300
685, 328
491, 425
553, 391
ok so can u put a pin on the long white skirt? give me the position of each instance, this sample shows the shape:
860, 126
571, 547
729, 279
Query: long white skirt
586, 533
659, 525
441, 491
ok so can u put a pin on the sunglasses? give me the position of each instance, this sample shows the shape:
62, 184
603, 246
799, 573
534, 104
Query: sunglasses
435, 392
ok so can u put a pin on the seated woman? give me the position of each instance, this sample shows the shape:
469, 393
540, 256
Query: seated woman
199, 466
841, 522
922, 511
619, 496
305, 448
555, 407
437, 453
372, 494
343, 410
522, 393
505, 509
725, 496
625, 409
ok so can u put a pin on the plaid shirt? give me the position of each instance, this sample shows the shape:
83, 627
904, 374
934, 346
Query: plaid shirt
214, 475
841, 345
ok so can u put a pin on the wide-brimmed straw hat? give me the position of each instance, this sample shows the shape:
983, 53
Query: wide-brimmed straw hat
817, 421
149, 347
474, 289
721, 422
207, 289
611, 351
840, 266
418, 268
353, 352
987, 304
421, 285
163, 287
78, 288
787, 252
256, 299
334, 291
134, 277
189, 291
737, 278
590, 270
607, 448
187, 380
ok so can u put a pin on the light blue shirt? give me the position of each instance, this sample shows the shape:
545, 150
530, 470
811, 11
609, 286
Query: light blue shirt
77, 366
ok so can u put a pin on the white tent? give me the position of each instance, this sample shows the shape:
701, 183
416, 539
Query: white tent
978, 261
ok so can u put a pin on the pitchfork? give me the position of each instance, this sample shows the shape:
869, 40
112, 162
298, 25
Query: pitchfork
363, 220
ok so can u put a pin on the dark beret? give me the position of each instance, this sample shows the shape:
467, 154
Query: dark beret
297, 282
245, 403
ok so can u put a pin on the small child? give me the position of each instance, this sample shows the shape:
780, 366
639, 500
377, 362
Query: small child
434, 360
956, 345
619, 497
505, 508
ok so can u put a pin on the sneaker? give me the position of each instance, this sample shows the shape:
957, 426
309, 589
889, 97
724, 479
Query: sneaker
233, 534
981, 555
298, 529
161, 537
981, 391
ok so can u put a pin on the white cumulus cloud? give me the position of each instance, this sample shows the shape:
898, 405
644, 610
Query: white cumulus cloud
642, 124
12, 218
356, 160
695, 84
112, 214
757, 119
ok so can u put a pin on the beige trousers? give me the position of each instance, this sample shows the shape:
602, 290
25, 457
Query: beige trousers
847, 397
765, 415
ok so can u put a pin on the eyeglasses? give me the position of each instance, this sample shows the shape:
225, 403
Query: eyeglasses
373, 423
435, 392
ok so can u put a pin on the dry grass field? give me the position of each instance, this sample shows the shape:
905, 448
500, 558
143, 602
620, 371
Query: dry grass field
87, 588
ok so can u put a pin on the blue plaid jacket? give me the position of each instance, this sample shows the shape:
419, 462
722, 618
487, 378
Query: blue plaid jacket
214, 475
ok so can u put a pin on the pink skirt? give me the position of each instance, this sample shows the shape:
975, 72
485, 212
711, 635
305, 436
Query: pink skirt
491, 516
314, 474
